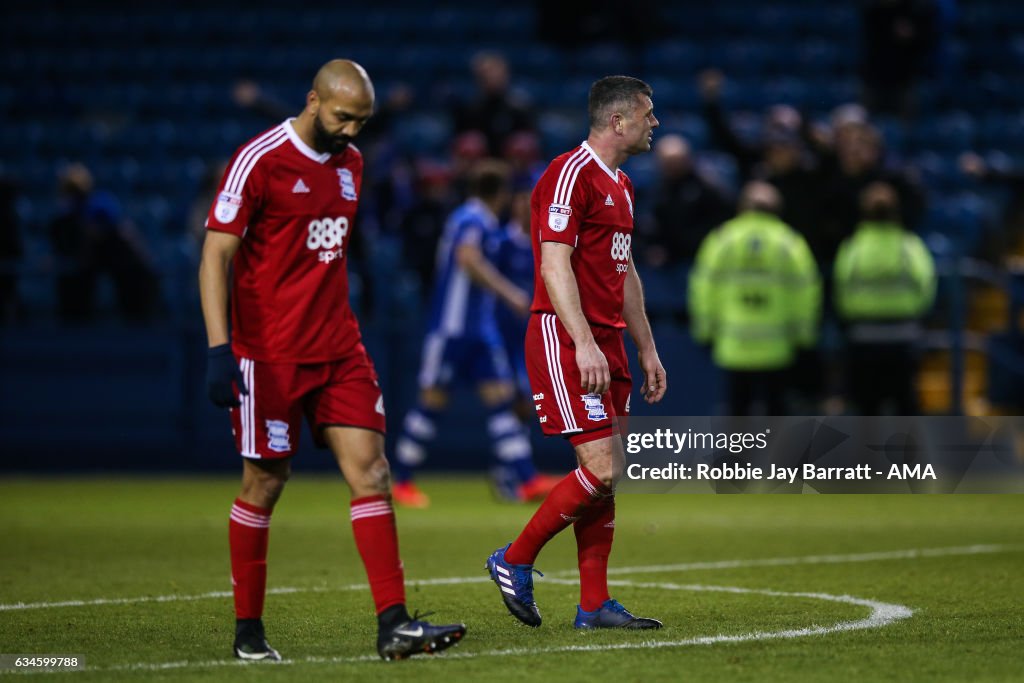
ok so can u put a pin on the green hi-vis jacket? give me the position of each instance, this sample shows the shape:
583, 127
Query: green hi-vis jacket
755, 293
883, 272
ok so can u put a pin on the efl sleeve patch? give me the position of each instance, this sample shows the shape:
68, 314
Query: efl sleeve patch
227, 207
558, 217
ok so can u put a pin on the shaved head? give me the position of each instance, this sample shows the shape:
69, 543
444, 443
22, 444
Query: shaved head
342, 76
338, 106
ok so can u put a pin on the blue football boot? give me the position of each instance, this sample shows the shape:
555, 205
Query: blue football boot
613, 615
515, 581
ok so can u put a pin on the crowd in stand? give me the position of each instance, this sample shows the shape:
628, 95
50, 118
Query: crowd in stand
823, 179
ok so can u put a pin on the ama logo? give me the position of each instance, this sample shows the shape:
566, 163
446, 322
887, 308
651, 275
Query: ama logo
594, 407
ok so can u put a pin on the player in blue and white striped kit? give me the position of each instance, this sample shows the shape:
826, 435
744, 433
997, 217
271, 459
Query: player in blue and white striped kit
463, 344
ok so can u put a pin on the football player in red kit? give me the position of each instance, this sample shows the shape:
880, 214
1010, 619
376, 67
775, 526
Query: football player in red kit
586, 291
276, 246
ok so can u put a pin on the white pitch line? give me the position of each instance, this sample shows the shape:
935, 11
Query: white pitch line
909, 554
882, 614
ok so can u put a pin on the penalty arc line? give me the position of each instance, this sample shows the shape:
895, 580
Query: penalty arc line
882, 614
908, 554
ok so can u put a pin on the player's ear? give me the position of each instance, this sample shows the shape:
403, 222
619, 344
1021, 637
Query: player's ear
617, 122
312, 102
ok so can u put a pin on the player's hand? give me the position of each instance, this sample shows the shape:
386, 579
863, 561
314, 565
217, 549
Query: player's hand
520, 304
595, 378
221, 372
655, 379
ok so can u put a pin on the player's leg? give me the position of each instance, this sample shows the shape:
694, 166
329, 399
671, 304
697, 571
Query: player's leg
347, 415
563, 410
360, 456
595, 528
263, 425
419, 427
514, 474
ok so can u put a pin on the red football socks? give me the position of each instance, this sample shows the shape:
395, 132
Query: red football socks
594, 532
563, 506
373, 525
248, 532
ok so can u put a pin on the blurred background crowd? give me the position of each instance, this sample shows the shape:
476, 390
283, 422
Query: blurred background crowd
908, 113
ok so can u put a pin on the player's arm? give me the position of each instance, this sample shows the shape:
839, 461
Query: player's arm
218, 250
635, 315
222, 371
560, 281
482, 272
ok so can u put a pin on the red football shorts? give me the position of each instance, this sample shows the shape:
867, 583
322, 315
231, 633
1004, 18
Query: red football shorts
340, 393
563, 407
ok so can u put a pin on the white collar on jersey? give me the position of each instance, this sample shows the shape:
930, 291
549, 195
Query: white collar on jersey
302, 146
614, 176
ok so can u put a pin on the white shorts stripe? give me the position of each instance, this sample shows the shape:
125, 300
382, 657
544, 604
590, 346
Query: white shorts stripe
248, 409
550, 334
557, 377
561, 174
430, 367
247, 159
243, 410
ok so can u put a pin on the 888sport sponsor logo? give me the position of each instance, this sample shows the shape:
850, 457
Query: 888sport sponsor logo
326, 235
621, 244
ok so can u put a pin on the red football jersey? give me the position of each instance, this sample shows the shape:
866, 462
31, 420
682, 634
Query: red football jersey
294, 209
581, 202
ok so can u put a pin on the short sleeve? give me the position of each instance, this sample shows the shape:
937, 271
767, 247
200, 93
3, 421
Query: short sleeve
238, 198
561, 201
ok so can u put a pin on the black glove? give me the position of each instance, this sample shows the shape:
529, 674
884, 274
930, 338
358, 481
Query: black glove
221, 372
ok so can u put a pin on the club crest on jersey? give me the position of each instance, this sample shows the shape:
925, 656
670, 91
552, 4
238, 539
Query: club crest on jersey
227, 207
594, 407
558, 217
277, 436
348, 184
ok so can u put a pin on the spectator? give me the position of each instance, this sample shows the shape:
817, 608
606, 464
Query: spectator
884, 285
858, 163
423, 223
496, 111
899, 38
780, 156
748, 154
686, 206
755, 296
91, 238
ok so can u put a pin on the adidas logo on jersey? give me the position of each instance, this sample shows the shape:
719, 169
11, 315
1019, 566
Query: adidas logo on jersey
300, 187
608, 201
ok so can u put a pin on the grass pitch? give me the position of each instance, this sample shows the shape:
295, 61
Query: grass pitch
134, 575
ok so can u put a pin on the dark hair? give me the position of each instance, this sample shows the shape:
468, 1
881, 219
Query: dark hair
489, 178
612, 91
